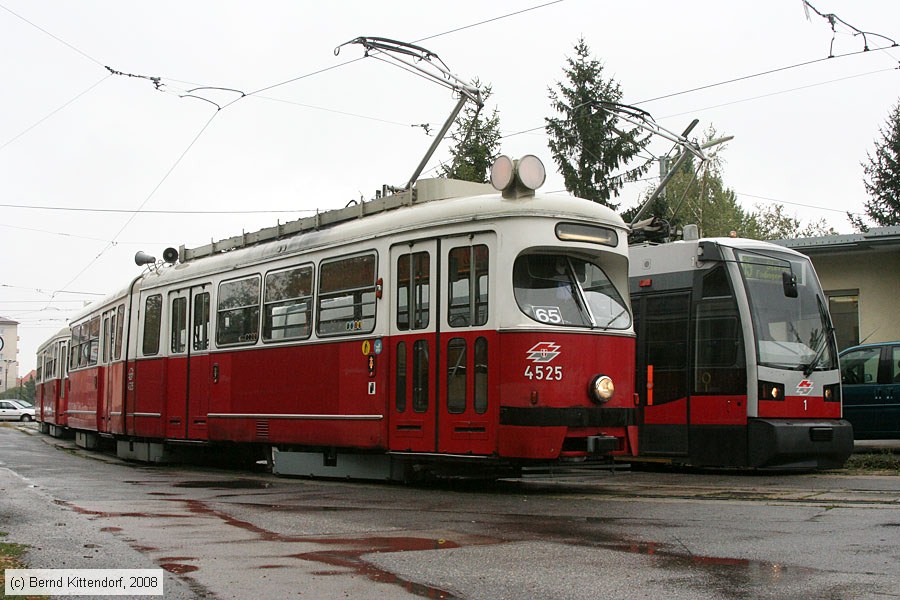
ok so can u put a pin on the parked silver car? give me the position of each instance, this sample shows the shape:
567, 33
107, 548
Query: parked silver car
13, 410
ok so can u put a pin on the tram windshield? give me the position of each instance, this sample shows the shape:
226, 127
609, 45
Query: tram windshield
791, 333
563, 290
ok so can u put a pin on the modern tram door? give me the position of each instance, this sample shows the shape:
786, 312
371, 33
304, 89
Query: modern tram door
661, 378
439, 395
188, 369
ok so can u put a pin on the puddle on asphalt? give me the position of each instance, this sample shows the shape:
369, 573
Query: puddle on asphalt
352, 559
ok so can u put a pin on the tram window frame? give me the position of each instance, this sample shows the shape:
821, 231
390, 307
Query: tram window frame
457, 375
241, 304
200, 323
401, 378
344, 285
719, 364
413, 301
107, 338
152, 325
120, 329
480, 361
90, 349
467, 305
297, 291
178, 330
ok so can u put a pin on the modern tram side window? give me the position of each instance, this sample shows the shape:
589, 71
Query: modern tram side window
237, 320
347, 296
413, 290
468, 286
287, 308
152, 323
718, 343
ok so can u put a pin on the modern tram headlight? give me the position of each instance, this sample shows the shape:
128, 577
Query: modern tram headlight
602, 389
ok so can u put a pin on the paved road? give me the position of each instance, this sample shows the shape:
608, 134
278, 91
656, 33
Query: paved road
231, 534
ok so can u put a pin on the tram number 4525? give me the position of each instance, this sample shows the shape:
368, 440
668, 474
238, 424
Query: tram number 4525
544, 373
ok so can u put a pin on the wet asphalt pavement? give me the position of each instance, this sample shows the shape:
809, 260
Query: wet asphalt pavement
241, 534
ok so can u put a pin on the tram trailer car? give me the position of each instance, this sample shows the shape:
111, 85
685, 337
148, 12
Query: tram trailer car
736, 360
51, 391
447, 328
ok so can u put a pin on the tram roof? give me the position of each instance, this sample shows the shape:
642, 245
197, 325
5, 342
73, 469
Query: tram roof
431, 203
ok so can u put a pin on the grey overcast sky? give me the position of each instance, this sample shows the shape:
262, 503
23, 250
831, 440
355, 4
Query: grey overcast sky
75, 136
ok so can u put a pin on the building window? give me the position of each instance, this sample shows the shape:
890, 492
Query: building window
844, 308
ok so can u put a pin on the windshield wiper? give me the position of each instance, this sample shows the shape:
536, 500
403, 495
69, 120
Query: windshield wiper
829, 332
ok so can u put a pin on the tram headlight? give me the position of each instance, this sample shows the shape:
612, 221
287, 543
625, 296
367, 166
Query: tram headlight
771, 391
602, 389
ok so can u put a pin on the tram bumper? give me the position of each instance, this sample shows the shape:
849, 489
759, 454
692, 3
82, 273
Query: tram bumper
799, 444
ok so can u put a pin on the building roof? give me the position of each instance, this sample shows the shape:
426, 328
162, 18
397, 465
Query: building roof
5, 321
877, 238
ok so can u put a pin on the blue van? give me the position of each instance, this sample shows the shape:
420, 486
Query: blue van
870, 385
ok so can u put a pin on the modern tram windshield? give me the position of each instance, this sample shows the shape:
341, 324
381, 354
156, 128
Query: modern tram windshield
564, 290
792, 333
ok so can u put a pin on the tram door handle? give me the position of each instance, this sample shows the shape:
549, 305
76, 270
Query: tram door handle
215, 373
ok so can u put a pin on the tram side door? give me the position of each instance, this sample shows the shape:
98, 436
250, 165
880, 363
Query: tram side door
187, 369
60, 404
413, 346
661, 380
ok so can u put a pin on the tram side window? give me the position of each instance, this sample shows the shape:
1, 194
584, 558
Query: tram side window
73, 347
667, 345
200, 325
413, 289
179, 324
457, 381
288, 304
120, 326
481, 375
152, 322
347, 296
468, 286
718, 344
237, 320
420, 376
107, 340
92, 348
400, 394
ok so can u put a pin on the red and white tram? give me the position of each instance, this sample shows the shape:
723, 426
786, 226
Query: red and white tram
447, 326
51, 390
736, 359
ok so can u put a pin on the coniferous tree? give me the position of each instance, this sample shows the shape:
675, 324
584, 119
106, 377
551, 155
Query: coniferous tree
476, 141
590, 145
882, 177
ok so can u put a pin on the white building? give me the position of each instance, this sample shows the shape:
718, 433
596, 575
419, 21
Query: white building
9, 353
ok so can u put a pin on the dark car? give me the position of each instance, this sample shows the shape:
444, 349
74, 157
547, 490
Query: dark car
870, 378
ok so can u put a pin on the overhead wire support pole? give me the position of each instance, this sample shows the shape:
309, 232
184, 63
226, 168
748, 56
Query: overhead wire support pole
438, 73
